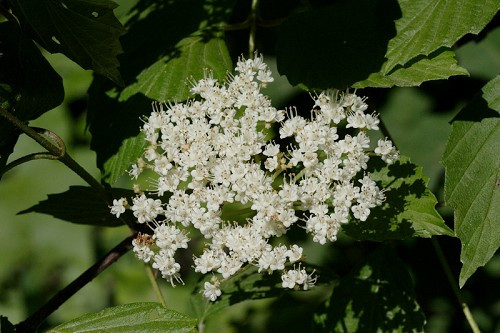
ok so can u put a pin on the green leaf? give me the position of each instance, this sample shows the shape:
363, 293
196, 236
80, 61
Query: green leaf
472, 185
491, 94
134, 317
237, 212
408, 210
80, 205
246, 285
154, 66
336, 49
29, 86
130, 150
115, 128
376, 296
437, 66
167, 78
431, 24
5, 325
86, 31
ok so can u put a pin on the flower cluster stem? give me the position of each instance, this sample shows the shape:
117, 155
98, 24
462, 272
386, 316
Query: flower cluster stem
453, 284
253, 28
155, 285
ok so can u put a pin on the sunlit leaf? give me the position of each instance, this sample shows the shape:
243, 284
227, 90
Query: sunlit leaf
134, 317
429, 25
168, 78
409, 208
130, 150
472, 182
435, 67
86, 31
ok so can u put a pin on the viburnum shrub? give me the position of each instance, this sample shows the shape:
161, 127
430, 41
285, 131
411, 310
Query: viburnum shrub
212, 150
312, 192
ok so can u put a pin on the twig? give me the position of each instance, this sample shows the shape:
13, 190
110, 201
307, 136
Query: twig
454, 286
27, 158
253, 28
57, 150
33, 321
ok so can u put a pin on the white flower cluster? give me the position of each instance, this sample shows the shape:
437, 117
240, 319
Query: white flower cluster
212, 151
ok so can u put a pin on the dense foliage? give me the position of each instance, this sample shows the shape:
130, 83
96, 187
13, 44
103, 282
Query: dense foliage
381, 274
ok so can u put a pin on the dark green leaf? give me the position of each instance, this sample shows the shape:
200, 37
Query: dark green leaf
472, 185
115, 128
237, 212
408, 210
376, 296
244, 286
134, 317
5, 325
429, 25
86, 31
336, 49
247, 285
438, 66
81, 205
130, 150
154, 66
28, 84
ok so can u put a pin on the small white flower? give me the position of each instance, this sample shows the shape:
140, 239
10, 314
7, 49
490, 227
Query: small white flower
118, 207
386, 150
271, 163
211, 291
294, 253
146, 209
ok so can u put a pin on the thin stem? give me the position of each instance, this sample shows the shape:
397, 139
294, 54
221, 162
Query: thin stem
155, 285
253, 28
80, 171
30, 132
33, 321
454, 286
298, 176
27, 158
57, 150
